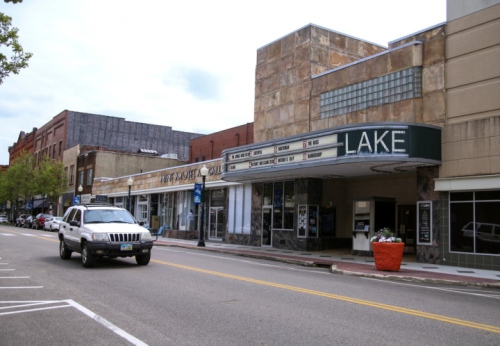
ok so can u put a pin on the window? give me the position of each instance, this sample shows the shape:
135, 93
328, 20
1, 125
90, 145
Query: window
60, 148
390, 88
475, 222
89, 176
72, 174
54, 151
283, 202
80, 178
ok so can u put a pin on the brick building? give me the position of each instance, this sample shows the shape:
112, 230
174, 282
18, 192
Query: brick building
92, 132
209, 147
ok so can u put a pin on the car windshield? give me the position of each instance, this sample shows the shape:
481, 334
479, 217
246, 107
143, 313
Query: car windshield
107, 216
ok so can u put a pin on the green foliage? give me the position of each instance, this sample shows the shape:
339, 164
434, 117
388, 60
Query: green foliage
9, 39
22, 180
13, 1
50, 178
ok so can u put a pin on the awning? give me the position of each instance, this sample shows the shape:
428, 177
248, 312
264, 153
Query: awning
347, 151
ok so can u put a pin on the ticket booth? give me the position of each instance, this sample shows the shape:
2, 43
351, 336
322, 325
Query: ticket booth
369, 215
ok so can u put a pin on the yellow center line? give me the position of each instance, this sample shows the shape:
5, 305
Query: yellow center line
393, 308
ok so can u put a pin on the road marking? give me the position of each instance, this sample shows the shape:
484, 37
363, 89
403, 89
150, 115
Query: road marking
106, 323
19, 287
67, 304
387, 307
14, 277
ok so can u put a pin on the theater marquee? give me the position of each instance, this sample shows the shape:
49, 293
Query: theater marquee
403, 144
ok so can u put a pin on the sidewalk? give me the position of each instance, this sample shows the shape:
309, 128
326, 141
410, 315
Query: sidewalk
344, 263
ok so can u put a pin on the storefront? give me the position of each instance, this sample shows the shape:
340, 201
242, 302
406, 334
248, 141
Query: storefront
165, 199
337, 187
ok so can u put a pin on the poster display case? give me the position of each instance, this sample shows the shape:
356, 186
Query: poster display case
308, 221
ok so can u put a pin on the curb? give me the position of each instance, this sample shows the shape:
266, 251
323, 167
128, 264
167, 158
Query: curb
402, 278
334, 270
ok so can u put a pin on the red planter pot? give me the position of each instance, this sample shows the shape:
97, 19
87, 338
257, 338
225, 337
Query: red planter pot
388, 256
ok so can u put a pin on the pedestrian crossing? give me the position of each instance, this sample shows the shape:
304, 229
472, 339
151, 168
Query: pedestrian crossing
28, 235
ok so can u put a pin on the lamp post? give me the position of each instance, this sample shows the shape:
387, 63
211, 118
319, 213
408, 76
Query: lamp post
203, 172
80, 189
130, 181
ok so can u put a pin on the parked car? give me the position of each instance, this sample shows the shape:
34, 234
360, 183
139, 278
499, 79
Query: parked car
4, 219
52, 223
39, 220
20, 220
28, 222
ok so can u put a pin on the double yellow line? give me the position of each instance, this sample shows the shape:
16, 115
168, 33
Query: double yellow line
387, 307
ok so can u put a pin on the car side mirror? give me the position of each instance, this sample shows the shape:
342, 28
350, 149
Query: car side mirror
74, 223
141, 223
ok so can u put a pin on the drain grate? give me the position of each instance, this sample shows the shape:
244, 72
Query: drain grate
465, 271
347, 258
430, 267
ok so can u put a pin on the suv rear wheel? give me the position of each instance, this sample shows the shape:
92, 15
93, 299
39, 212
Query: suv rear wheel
63, 251
88, 260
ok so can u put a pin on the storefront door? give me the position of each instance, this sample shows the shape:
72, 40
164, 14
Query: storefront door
407, 219
267, 221
217, 223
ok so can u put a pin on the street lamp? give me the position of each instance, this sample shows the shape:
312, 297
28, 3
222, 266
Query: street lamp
203, 172
80, 189
130, 181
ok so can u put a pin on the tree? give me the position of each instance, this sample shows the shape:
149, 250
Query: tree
17, 182
9, 39
50, 178
22, 181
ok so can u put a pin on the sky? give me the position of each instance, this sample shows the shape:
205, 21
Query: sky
185, 64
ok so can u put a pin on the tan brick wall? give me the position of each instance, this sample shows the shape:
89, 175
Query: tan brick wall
471, 136
283, 78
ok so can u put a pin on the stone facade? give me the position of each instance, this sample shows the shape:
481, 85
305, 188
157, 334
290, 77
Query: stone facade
425, 49
283, 105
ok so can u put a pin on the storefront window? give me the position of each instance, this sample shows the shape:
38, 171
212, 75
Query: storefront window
289, 204
268, 194
475, 223
168, 210
283, 204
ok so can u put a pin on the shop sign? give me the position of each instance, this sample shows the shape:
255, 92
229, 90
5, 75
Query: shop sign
190, 174
376, 142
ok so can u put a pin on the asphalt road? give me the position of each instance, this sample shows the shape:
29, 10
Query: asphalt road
190, 297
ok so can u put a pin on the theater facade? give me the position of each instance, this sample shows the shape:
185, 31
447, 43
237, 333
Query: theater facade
351, 137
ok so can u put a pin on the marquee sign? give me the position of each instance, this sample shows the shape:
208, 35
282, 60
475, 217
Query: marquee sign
366, 141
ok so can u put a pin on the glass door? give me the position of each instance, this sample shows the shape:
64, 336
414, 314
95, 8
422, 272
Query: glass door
217, 223
267, 221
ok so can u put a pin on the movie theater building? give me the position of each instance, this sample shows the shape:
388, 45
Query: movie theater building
351, 137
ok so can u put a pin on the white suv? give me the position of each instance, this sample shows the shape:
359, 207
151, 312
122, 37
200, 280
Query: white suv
97, 231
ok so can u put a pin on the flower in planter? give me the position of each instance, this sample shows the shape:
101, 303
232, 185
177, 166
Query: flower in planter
385, 235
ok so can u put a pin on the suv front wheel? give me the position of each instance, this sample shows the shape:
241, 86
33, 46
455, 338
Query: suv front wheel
63, 251
143, 260
88, 260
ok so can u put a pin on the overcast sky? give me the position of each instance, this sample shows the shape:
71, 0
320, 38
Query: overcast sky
185, 64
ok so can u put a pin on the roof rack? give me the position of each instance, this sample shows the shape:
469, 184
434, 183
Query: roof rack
97, 205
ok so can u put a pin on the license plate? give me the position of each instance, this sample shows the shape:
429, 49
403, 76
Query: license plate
125, 247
